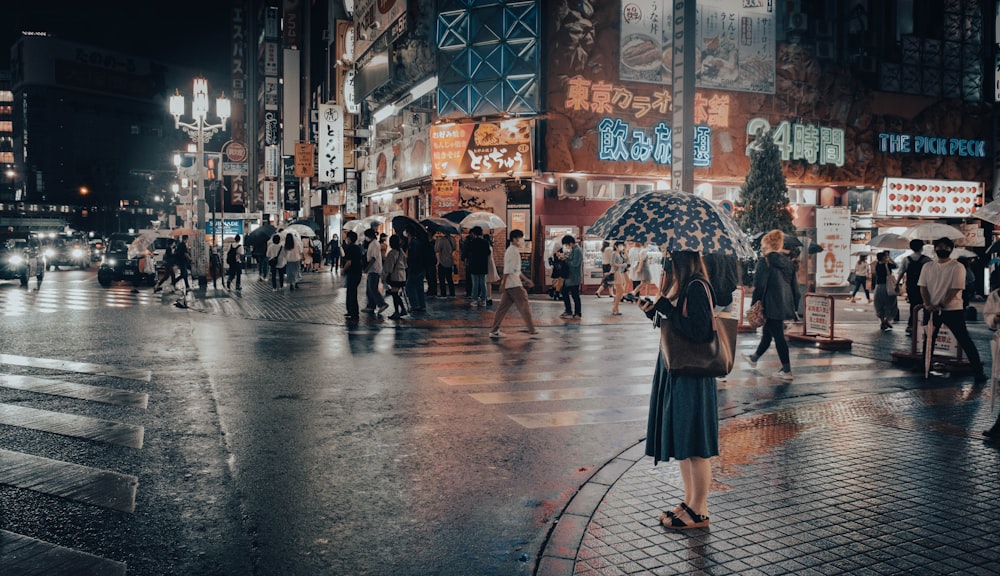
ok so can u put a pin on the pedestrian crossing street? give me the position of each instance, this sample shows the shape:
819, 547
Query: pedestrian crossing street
59, 297
601, 374
72, 481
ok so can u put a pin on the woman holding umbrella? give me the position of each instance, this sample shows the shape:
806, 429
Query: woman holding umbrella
683, 419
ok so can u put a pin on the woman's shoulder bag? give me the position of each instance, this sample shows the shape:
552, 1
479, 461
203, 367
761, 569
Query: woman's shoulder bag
702, 359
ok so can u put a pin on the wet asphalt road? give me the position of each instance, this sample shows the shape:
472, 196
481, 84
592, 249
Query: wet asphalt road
296, 447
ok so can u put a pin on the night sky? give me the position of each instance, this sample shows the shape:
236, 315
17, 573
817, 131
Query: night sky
190, 33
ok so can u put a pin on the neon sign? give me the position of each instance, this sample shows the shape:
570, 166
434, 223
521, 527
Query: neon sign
904, 143
619, 142
813, 144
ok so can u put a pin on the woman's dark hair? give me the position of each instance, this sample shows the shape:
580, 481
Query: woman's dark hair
352, 236
618, 243
276, 239
394, 242
684, 266
568, 239
289, 242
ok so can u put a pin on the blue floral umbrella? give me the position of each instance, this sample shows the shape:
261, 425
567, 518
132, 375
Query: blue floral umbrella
674, 221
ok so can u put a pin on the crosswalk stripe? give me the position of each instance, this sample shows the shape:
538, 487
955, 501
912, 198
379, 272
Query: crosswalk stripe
71, 481
26, 556
75, 390
581, 417
71, 425
643, 365
81, 367
562, 394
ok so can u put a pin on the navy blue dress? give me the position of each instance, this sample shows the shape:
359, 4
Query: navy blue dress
683, 410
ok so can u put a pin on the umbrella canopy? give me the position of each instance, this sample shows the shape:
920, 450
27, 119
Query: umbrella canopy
261, 235
931, 231
400, 223
792, 242
456, 216
990, 212
358, 226
435, 225
890, 240
307, 223
861, 249
300, 230
815, 248
178, 232
963, 253
994, 247
485, 220
143, 241
675, 221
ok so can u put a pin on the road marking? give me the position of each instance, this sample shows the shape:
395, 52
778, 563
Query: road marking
71, 481
644, 367
562, 394
72, 425
581, 417
81, 367
75, 390
27, 556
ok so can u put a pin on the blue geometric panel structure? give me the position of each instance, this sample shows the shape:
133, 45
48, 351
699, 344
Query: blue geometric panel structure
488, 57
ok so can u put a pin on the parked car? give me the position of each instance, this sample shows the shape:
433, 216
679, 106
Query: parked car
16, 252
115, 262
68, 250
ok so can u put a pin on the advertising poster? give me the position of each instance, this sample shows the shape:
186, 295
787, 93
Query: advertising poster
481, 149
833, 233
735, 45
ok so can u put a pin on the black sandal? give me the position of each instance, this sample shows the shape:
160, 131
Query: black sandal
670, 513
698, 520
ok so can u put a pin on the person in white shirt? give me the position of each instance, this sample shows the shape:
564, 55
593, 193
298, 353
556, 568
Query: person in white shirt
376, 303
293, 259
941, 284
235, 255
513, 284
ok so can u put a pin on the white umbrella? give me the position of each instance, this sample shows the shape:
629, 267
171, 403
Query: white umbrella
889, 240
932, 231
301, 230
861, 249
357, 226
485, 220
963, 253
989, 212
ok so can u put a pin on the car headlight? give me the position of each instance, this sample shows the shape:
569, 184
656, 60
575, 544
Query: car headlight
49, 252
16, 260
110, 261
77, 253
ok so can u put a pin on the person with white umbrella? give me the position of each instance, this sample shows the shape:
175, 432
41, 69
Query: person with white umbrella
941, 284
911, 267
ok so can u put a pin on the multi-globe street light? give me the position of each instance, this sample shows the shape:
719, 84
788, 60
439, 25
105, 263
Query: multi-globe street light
201, 132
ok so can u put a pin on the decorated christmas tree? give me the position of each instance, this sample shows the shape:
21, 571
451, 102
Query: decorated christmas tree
763, 204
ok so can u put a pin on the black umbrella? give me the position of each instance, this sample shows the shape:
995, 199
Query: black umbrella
307, 222
260, 235
792, 242
441, 225
994, 247
400, 223
815, 248
456, 216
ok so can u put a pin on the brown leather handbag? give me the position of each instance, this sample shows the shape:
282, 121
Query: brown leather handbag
713, 358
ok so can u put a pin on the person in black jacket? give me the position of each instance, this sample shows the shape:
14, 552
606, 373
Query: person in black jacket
353, 266
774, 285
416, 268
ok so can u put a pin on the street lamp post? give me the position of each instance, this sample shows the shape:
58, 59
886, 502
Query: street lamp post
201, 132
